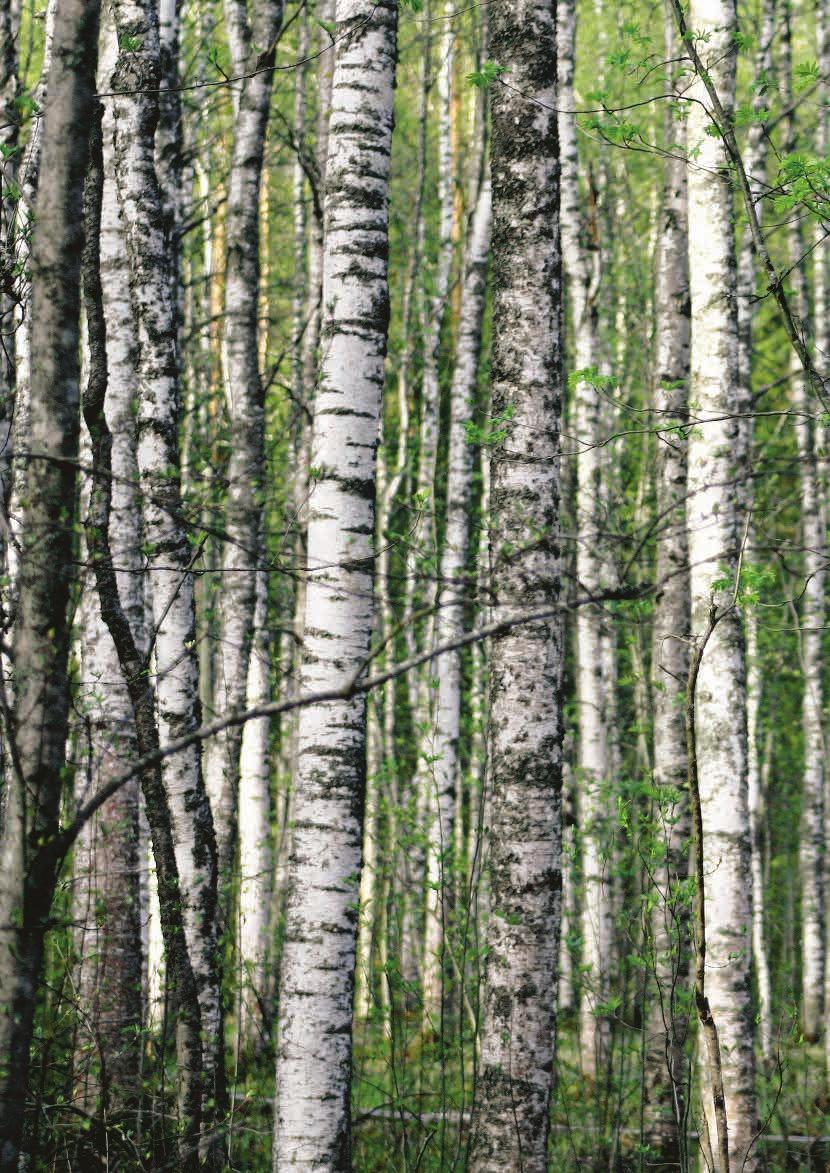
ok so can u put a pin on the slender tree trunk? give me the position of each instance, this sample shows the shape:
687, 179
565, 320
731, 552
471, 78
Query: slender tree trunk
106, 856
37, 736
821, 318
9, 133
667, 1023
411, 867
449, 624
756, 799
111, 336
511, 1119
169, 562
301, 444
755, 161
255, 853
581, 262
311, 1112
714, 526
21, 420
253, 48
439, 783
811, 846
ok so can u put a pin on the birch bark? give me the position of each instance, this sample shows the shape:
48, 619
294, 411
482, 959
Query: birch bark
450, 615
755, 161
581, 262
41, 636
255, 854
24, 219
667, 1025
714, 527
252, 34
9, 135
106, 856
811, 845
511, 1119
311, 1113
433, 782
169, 578
821, 317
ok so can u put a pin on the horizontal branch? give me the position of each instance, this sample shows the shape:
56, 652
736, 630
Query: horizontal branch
357, 685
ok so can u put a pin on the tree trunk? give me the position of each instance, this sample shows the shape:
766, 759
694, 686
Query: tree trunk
581, 260
255, 854
169, 562
106, 857
667, 1022
438, 782
755, 162
9, 133
811, 846
511, 1120
449, 623
37, 734
22, 325
253, 47
715, 536
313, 1073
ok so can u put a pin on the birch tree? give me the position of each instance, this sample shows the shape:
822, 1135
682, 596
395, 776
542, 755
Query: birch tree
439, 801
582, 268
255, 851
667, 1026
755, 160
715, 539
813, 536
37, 732
313, 1070
523, 813
9, 135
252, 33
169, 577
452, 571
106, 861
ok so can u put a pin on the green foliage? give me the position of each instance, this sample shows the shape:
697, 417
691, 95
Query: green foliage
591, 375
483, 78
494, 431
804, 181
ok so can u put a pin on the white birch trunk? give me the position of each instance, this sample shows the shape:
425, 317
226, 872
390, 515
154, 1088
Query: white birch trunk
250, 39
667, 1024
107, 859
255, 852
821, 316
449, 623
438, 798
313, 1072
755, 162
811, 846
715, 536
592, 767
756, 800
169, 564
511, 1118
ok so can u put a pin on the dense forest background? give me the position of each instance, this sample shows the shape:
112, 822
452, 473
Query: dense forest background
413, 703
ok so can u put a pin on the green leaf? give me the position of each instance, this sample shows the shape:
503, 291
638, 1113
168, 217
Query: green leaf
485, 76
805, 74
